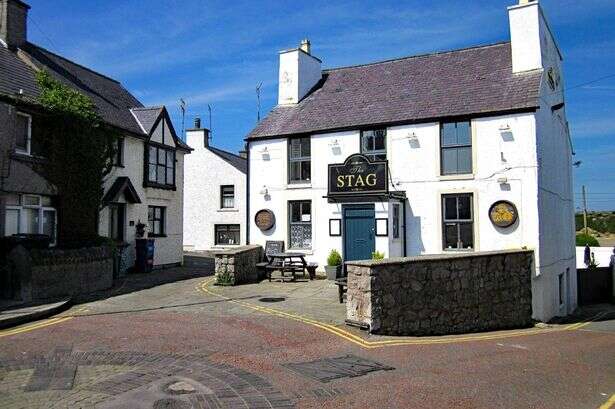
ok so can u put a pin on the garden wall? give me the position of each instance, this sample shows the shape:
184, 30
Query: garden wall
54, 273
237, 265
442, 294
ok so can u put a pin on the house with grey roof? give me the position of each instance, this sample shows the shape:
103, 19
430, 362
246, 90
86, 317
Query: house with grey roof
457, 151
215, 194
146, 183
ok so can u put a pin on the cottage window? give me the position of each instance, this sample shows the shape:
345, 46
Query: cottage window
118, 155
160, 167
457, 222
227, 196
455, 148
30, 214
374, 144
299, 160
227, 234
23, 133
156, 218
300, 224
395, 220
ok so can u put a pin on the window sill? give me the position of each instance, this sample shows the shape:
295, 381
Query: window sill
159, 186
299, 185
228, 210
465, 176
155, 236
118, 166
458, 250
307, 252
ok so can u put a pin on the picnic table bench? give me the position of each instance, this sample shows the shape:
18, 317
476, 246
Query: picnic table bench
285, 262
342, 287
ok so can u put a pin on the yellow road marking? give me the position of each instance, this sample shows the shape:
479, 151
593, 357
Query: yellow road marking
204, 287
32, 327
609, 403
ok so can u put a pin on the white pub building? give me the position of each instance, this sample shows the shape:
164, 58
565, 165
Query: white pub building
464, 150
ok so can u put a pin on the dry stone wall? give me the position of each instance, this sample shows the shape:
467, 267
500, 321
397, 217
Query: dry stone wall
442, 294
238, 265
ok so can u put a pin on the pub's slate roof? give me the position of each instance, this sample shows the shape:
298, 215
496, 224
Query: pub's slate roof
112, 100
237, 161
469, 81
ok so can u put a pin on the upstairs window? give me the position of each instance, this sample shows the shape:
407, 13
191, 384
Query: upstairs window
299, 160
455, 148
227, 197
160, 167
23, 133
374, 144
118, 156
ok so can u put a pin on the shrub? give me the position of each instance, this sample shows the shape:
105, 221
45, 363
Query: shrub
377, 255
583, 239
334, 259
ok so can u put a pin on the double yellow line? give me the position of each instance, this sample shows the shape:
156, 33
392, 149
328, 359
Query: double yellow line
357, 340
42, 324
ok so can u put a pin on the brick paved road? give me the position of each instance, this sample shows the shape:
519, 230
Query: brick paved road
173, 346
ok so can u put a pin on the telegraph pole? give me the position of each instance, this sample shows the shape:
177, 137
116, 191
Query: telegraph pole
584, 210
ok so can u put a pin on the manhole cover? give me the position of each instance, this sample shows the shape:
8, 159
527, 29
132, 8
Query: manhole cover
272, 299
325, 370
181, 387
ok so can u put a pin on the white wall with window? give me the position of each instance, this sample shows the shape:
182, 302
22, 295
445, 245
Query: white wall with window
215, 197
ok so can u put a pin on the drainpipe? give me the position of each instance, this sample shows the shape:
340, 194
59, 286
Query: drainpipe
403, 203
248, 193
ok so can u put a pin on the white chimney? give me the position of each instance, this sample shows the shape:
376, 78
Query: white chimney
197, 137
532, 42
299, 72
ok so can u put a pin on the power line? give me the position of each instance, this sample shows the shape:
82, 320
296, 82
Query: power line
56, 48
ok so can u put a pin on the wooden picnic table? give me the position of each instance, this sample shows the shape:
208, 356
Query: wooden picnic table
288, 262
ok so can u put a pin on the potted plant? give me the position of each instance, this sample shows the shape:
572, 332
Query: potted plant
377, 255
334, 263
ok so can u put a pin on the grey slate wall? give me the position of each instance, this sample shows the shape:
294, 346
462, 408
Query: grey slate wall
442, 294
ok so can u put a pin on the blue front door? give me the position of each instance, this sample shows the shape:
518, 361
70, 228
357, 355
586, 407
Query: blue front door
359, 224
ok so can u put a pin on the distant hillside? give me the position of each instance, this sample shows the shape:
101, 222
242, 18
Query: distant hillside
603, 222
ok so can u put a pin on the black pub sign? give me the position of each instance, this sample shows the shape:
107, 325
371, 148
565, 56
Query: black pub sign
358, 175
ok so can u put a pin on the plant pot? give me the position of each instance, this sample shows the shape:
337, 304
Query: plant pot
332, 272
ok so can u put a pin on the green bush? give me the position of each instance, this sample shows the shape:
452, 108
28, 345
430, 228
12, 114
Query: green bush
583, 239
377, 255
334, 259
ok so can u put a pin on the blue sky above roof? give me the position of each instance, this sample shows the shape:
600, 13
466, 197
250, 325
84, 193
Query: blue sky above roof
215, 52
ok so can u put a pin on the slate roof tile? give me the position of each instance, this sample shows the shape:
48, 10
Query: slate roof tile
476, 80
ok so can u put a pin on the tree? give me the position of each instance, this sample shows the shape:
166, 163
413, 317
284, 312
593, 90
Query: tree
79, 147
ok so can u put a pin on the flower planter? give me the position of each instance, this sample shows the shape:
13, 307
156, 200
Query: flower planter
332, 272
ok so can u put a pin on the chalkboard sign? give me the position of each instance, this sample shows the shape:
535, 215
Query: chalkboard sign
273, 247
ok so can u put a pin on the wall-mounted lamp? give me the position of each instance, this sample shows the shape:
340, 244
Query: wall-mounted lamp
505, 128
335, 147
413, 139
502, 180
265, 153
264, 191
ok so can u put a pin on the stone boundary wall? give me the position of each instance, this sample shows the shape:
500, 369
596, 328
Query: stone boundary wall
442, 294
54, 273
238, 265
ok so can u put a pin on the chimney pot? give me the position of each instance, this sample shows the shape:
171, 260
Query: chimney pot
197, 123
306, 46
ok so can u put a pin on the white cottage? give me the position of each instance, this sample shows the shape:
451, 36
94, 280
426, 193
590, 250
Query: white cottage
465, 150
215, 201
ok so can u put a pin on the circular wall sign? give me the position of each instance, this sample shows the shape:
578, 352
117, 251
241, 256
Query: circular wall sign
264, 219
503, 213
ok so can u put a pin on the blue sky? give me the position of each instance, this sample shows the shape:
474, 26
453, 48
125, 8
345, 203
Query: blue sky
216, 52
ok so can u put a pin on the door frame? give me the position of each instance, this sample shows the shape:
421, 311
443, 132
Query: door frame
370, 206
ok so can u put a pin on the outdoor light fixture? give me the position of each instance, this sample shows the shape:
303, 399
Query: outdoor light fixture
265, 153
264, 191
504, 128
503, 180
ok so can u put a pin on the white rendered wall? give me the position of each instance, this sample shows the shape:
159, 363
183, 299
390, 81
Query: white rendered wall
205, 173
414, 168
168, 249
